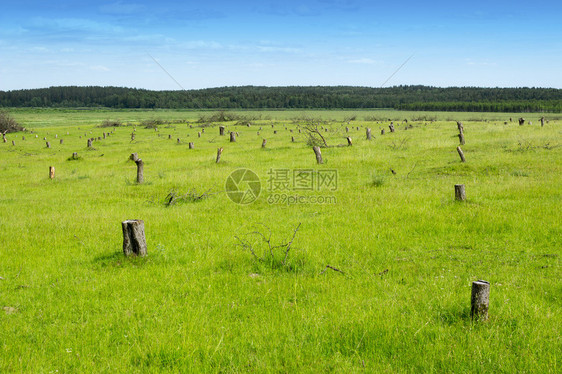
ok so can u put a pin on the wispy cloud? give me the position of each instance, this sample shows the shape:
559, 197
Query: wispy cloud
364, 60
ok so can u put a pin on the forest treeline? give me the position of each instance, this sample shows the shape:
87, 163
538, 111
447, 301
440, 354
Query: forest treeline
294, 97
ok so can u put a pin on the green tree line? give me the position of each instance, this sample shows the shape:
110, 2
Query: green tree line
294, 97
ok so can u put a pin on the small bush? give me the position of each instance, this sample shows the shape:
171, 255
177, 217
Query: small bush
111, 123
8, 124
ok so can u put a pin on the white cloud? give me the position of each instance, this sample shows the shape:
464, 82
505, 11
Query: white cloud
364, 60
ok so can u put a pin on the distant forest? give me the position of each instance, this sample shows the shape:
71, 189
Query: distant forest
465, 99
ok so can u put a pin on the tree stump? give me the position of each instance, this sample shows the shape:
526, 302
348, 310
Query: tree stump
542, 121
13, 142
4, 138
461, 154
368, 133
132, 136
134, 157
134, 241
219, 153
191, 145
140, 171
347, 129
292, 139
48, 145
318, 154
263, 143
23, 137
521, 121
460, 193
461, 138
480, 300
169, 137
391, 127
232, 137
221, 130
274, 131
51, 172
460, 126
90, 143
199, 134
179, 141
382, 131
349, 142
61, 141
104, 135
75, 156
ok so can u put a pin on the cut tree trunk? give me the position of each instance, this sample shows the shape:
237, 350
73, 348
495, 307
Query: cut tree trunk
134, 157
134, 241
460, 193
349, 142
480, 300
219, 153
461, 154
232, 137
368, 133
391, 127
51, 172
318, 154
90, 143
140, 171
263, 143
190, 145
221, 130
461, 138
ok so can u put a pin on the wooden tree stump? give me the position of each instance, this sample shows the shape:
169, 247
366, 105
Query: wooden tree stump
461, 138
219, 153
140, 171
232, 137
134, 157
48, 145
23, 137
75, 155
4, 138
51, 172
199, 134
391, 127
90, 143
61, 141
346, 129
542, 121
382, 131
292, 139
480, 300
13, 142
221, 130
274, 131
132, 136
349, 142
134, 241
460, 126
521, 121
461, 154
179, 141
318, 154
169, 137
191, 145
104, 135
368, 133
263, 143
460, 193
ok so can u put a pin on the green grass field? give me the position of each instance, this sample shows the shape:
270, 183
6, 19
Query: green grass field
405, 251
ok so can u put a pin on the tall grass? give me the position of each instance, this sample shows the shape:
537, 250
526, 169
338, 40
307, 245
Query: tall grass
405, 251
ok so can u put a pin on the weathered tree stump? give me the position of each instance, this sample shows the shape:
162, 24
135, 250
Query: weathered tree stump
232, 137
521, 121
134, 241
134, 157
132, 136
179, 141
318, 154
382, 131
263, 143
460, 193
74, 155
349, 142
542, 121
460, 126
221, 130
191, 145
48, 145
104, 135
61, 141
274, 131
391, 127
90, 143
23, 137
461, 138
346, 129
199, 134
51, 172
4, 138
461, 154
140, 171
169, 137
292, 139
480, 300
219, 153
368, 133
13, 142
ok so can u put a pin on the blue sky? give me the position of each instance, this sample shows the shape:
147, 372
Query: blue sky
215, 43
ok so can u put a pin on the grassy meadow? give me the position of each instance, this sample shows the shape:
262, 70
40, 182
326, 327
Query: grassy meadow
377, 277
